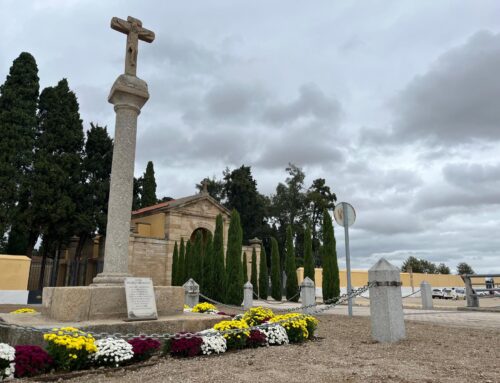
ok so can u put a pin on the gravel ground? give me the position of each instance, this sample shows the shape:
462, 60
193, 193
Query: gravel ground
344, 352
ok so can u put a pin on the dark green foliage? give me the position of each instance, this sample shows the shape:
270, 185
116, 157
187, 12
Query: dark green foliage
263, 274
423, 266
180, 278
308, 256
245, 268
215, 188
136, 200
219, 273
57, 166
234, 269
207, 266
464, 268
188, 262
331, 282
253, 278
196, 258
275, 271
292, 285
148, 196
443, 269
18, 104
175, 265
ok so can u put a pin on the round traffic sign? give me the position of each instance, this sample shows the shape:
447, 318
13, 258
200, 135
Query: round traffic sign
344, 214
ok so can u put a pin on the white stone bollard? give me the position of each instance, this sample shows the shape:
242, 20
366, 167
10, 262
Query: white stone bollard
307, 294
386, 303
247, 296
191, 293
426, 295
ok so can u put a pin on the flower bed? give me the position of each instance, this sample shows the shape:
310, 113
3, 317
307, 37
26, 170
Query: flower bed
69, 348
24, 311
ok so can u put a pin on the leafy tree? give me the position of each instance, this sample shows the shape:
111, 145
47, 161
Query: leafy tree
136, 200
331, 282
180, 278
207, 266
443, 269
464, 268
175, 265
196, 258
18, 122
57, 165
234, 269
292, 285
219, 274
215, 188
253, 278
245, 268
263, 275
308, 256
240, 189
188, 262
148, 196
275, 271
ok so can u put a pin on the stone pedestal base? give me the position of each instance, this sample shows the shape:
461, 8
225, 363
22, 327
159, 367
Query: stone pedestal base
76, 304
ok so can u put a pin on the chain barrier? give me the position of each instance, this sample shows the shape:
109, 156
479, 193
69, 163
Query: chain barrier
327, 306
406, 296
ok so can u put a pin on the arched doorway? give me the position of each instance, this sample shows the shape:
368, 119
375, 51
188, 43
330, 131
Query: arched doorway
204, 233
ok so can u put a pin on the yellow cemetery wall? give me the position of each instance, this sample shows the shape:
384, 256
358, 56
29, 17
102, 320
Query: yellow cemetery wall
360, 278
14, 272
156, 224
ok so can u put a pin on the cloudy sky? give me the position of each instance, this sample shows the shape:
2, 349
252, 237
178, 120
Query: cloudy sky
395, 103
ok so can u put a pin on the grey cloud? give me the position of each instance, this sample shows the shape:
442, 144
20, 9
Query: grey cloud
456, 101
473, 176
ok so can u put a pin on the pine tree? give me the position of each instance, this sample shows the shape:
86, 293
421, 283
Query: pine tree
196, 258
207, 266
245, 268
18, 122
188, 263
275, 271
308, 254
331, 282
219, 273
292, 285
234, 270
263, 274
175, 265
148, 197
253, 278
181, 271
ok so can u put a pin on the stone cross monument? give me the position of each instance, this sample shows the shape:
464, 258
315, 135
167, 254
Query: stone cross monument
128, 95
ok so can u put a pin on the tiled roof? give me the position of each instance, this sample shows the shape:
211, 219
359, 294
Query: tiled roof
152, 207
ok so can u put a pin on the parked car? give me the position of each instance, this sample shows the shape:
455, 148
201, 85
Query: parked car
437, 293
447, 293
458, 293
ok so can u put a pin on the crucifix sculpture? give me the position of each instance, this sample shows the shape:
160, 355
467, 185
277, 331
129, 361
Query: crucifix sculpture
132, 27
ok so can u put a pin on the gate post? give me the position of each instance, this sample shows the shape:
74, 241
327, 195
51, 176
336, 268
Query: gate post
386, 304
247, 296
307, 294
426, 295
191, 293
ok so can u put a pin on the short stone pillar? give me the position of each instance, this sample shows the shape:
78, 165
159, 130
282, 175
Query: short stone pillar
386, 303
307, 295
247, 296
426, 295
191, 293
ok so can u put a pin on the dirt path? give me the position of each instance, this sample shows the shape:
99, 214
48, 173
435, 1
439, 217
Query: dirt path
431, 353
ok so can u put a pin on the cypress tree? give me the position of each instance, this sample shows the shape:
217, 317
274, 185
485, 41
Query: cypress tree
219, 273
196, 252
253, 278
18, 122
181, 271
207, 266
275, 271
292, 285
188, 269
245, 268
148, 197
175, 265
234, 269
263, 274
331, 283
308, 255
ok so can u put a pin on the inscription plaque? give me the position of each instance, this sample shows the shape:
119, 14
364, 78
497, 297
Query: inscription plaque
141, 303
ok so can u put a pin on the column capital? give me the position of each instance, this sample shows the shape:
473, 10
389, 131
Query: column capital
128, 91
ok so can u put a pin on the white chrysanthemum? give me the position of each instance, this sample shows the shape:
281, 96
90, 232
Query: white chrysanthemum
214, 343
7, 354
112, 351
276, 334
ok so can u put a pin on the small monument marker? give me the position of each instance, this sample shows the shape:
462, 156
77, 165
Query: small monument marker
141, 303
